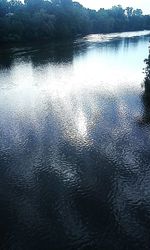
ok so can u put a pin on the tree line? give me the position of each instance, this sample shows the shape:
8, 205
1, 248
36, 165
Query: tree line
50, 19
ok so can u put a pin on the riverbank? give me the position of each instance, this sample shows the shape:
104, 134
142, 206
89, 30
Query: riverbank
45, 20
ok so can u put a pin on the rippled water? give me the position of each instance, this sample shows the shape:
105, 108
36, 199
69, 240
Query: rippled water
75, 145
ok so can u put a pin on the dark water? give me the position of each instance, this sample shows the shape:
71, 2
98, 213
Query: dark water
75, 145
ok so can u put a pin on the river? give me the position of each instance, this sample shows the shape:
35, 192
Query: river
75, 145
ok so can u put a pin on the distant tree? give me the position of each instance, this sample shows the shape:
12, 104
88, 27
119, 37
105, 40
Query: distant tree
66, 3
134, 19
3, 7
104, 21
50, 19
15, 6
34, 5
137, 12
118, 11
118, 14
129, 11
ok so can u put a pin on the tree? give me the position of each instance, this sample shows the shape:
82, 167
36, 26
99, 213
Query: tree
118, 15
34, 5
147, 74
51, 19
137, 12
129, 12
15, 6
3, 7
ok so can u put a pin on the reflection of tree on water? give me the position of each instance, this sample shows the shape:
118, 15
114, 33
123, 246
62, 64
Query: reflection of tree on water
53, 53
38, 54
132, 41
64, 52
5, 60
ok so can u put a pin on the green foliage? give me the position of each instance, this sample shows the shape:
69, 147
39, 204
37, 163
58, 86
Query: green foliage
49, 19
3, 7
147, 74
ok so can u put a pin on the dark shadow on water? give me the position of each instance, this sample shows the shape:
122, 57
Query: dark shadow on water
61, 52
6, 60
58, 52
53, 53
131, 41
145, 120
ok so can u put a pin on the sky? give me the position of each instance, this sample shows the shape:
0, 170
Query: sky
97, 4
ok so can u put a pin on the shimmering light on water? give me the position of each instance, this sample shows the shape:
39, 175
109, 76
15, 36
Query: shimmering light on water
74, 145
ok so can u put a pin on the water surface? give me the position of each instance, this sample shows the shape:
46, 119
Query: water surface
74, 145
